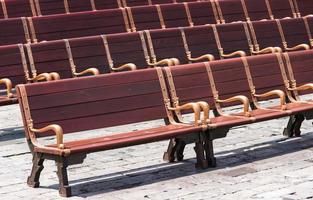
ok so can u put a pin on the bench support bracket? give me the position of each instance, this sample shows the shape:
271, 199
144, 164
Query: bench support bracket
33, 179
64, 188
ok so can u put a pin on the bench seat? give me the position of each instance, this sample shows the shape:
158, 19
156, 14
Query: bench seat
127, 139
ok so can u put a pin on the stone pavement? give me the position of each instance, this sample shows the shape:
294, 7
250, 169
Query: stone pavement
254, 162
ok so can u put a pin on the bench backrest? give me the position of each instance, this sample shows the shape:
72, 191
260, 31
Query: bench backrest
266, 34
267, 72
231, 11
166, 43
203, 13
131, 3
295, 31
48, 7
281, 8
172, 15
14, 31
257, 10
87, 52
304, 7
13, 62
49, 57
127, 48
189, 83
94, 102
201, 40
230, 79
17, 8
78, 24
299, 67
234, 37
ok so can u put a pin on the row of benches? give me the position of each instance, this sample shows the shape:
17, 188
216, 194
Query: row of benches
45, 28
28, 8
32, 8
74, 105
129, 51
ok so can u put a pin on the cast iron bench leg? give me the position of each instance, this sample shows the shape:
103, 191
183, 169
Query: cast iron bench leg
33, 179
175, 150
294, 125
201, 161
64, 188
209, 151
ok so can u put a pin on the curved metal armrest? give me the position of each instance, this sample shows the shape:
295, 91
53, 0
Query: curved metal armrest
206, 57
298, 47
56, 129
265, 50
206, 111
128, 66
243, 99
194, 106
166, 62
54, 76
278, 93
93, 71
42, 77
308, 86
175, 61
59, 137
8, 84
236, 53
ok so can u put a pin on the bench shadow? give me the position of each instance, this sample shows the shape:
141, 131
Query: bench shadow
14, 133
132, 178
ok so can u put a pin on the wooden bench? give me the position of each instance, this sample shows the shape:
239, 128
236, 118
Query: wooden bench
75, 24
17, 8
102, 101
281, 33
203, 43
46, 7
172, 15
242, 81
242, 10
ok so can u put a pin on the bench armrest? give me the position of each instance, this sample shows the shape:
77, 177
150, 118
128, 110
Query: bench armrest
175, 61
243, 99
8, 84
128, 66
206, 111
166, 62
206, 57
308, 86
194, 106
93, 71
278, 93
59, 137
236, 53
265, 50
298, 47
42, 77
56, 129
54, 76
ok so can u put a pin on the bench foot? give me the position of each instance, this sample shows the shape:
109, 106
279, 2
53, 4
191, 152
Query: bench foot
293, 126
64, 188
175, 150
205, 153
209, 152
33, 179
